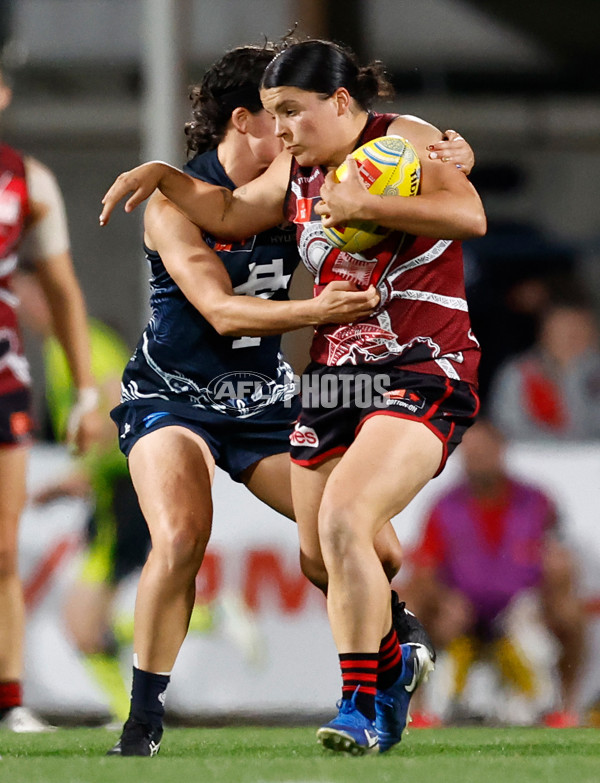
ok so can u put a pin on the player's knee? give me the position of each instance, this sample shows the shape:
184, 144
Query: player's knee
339, 530
182, 548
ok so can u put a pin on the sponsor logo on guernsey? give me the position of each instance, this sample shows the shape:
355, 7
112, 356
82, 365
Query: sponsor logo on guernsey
304, 436
304, 210
307, 180
247, 245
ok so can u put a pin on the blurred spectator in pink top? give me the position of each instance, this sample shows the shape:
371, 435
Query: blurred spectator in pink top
490, 542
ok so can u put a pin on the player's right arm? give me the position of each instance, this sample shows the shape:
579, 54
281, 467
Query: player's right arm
202, 277
447, 205
246, 211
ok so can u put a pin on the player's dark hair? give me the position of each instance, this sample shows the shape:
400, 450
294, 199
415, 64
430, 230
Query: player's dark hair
230, 82
323, 67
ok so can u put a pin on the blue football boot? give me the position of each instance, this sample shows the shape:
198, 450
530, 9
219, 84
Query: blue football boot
350, 731
391, 705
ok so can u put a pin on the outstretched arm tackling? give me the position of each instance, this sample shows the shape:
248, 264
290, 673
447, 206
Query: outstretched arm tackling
246, 211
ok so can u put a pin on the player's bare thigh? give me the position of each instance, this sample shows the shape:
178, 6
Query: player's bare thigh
390, 461
307, 490
172, 470
308, 487
269, 480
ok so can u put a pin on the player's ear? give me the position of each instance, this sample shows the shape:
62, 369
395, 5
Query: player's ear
342, 99
239, 118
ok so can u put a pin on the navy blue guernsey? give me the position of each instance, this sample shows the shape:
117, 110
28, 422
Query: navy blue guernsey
182, 358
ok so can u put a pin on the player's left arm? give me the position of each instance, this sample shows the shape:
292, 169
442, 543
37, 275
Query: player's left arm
47, 247
446, 207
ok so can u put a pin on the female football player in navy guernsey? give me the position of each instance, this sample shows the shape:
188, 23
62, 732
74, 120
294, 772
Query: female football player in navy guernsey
319, 124
179, 413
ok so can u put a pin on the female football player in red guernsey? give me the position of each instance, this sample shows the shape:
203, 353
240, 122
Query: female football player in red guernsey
387, 398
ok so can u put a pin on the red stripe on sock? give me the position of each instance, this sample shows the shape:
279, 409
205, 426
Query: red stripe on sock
359, 671
347, 692
391, 661
388, 643
359, 664
353, 678
11, 695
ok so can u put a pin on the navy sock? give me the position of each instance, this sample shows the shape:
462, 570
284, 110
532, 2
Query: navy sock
148, 697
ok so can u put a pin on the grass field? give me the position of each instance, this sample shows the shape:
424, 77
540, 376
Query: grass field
286, 755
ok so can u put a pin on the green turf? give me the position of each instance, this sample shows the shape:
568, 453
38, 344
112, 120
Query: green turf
291, 755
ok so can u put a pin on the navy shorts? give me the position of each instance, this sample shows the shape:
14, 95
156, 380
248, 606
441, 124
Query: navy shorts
336, 402
235, 443
16, 424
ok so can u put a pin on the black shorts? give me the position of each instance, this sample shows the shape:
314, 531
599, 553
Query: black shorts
235, 443
336, 402
16, 424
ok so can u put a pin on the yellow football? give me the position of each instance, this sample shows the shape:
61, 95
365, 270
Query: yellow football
389, 166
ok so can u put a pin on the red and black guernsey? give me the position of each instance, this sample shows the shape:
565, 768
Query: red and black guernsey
14, 211
423, 322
